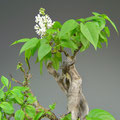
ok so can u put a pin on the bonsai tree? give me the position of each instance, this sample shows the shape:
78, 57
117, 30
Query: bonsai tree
54, 41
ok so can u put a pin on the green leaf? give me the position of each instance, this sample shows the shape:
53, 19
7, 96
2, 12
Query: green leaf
87, 118
56, 59
68, 44
43, 50
41, 65
85, 43
91, 31
88, 18
99, 44
76, 38
29, 94
83, 40
28, 54
56, 25
20, 88
83, 48
98, 114
47, 57
0, 115
31, 99
103, 35
107, 31
7, 107
19, 97
59, 56
9, 86
95, 13
52, 107
101, 22
67, 27
26, 118
81, 20
50, 31
107, 18
103, 38
30, 44
97, 19
92, 18
30, 111
43, 41
48, 112
33, 50
4, 81
55, 62
21, 41
19, 65
65, 37
5, 118
39, 115
19, 115
1, 94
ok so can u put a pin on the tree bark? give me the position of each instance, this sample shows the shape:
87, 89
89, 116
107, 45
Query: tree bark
77, 103
71, 84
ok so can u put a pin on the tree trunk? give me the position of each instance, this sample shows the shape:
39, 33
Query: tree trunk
71, 84
77, 103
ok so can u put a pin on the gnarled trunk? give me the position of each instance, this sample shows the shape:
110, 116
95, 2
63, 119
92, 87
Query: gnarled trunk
71, 83
77, 103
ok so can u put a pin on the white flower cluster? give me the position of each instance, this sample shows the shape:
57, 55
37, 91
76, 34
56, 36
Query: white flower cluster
43, 22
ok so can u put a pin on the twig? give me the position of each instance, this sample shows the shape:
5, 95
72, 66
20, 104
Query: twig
61, 50
21, 68
15, 80
64, 115
65, 53
38, 107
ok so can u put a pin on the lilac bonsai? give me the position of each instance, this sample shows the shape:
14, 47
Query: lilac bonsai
54, 40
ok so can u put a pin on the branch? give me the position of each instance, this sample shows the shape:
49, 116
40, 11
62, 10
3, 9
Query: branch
61, 50
13, 79
59, 78
40, 107
65, 53
75, 52
36, 104
51, 117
